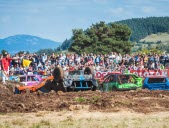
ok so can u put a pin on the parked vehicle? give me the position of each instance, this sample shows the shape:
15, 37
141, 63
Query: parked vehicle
158, 82
113, 82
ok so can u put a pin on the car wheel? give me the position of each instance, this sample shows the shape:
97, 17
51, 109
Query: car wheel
93, 88
58, 73
101, 87
68, 89
89, 70
114, 88
16, 91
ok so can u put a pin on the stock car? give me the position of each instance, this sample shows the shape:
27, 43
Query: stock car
117, 82
27, 79
158, 82
79, 80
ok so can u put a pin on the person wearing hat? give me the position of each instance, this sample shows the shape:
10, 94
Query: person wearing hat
5, 63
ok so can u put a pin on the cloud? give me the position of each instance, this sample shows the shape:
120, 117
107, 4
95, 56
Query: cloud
116, 11
100, 1
148, 9
4, 19
163, 0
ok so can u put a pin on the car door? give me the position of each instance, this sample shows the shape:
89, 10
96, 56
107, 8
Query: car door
32, 80
23, 79
109, 82
167, 83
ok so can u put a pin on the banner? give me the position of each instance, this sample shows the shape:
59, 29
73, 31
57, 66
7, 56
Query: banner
144, 73
101, 74
26, 63
141, 73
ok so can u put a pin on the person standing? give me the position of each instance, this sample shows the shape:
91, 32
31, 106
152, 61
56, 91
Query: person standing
44, 59
5, 63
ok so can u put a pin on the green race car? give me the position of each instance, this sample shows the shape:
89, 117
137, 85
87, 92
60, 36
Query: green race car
113, 82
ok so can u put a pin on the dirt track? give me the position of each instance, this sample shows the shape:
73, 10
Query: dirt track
142, 101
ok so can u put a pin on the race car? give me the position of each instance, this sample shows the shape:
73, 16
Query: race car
27, 79
114, 82
158, 82
80, 80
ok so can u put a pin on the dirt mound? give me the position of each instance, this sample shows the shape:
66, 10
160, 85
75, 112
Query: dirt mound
143, 101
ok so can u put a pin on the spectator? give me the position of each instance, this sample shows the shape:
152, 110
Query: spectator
43, 59
5, 67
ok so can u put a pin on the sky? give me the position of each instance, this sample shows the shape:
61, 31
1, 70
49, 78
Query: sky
55, 19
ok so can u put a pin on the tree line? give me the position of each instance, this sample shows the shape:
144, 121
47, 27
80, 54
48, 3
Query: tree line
142, 27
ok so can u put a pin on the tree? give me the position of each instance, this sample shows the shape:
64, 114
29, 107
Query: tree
101, 38
21, 52
3, 51
66, 44
48, 51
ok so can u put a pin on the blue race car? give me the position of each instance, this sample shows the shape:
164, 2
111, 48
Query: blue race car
156, 83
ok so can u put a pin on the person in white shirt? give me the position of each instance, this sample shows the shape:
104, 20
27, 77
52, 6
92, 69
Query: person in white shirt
44, 58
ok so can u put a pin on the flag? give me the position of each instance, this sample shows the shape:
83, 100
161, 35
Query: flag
26, 63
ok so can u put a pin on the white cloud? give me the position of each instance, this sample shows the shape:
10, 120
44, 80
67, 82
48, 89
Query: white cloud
4, 19
148, 9
116, 11
101, 1
163, 0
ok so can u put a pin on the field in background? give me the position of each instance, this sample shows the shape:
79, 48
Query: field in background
85, 119
151, 41
163, 37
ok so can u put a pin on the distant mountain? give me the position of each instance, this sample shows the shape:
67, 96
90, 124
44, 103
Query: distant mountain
14, 44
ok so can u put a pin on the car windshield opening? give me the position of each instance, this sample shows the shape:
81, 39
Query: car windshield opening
156, 80
75, 73
22, 79
125, 79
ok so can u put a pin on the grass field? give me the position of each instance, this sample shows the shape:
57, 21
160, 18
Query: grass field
163, 37
84, 119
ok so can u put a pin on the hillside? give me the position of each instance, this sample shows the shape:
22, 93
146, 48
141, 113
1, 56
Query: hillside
142, 27
159, 40
162, 37
17, 43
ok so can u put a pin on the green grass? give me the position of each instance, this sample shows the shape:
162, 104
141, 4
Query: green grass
95, 99
80, 99
45, 122
42, 124
163, 37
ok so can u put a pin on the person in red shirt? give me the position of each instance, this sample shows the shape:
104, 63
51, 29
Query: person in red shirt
5, 63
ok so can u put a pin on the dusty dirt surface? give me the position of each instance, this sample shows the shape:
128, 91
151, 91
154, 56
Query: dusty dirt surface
140, 101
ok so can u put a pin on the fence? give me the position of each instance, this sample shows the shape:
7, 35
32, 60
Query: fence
140, 73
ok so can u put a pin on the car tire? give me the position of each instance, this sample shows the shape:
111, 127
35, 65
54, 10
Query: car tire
114, 88
88, 71
58, 74
16, 91
93, 88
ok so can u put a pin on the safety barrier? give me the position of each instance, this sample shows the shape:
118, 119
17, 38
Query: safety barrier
141, 73
144, 73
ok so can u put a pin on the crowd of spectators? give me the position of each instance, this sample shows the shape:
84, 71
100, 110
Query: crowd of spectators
45, 64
